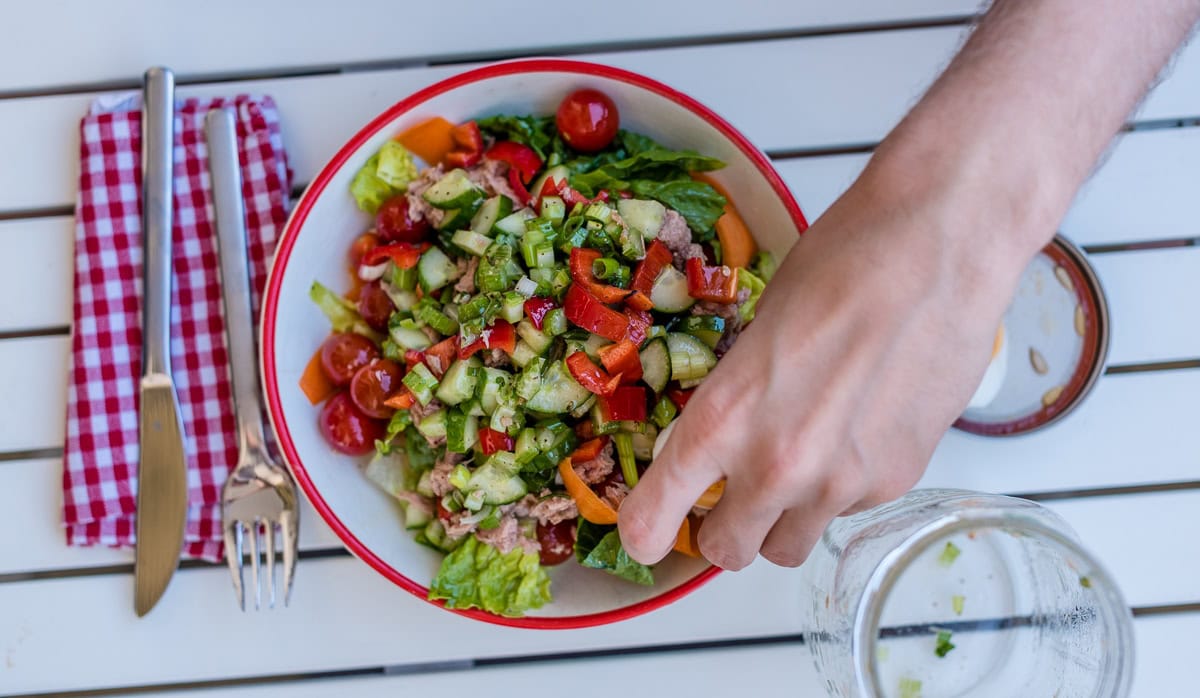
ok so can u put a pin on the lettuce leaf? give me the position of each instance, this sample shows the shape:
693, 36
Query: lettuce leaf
747, 280
477, 575
342, 314
599, 547
537, 132
368, 190
396, 166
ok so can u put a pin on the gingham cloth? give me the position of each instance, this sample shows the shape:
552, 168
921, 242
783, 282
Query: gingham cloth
100, 472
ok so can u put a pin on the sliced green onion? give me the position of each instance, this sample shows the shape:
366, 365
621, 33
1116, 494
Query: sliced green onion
957, 602
949, 554
529, 247
633, 245
513, 307
664, 412
404, 279
553, 209
452, 502
474, 500
625, 456
555, 322
421, 381
526, 286
621, 278
605, 267
943, 644
910, 688
427, 311
544, 255
460, 476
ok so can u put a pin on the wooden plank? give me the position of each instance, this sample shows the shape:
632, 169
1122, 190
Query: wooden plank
1134, 428
1152, 298
359, 618
846, 89
35, 385
37, 272
315, 35
1166, 655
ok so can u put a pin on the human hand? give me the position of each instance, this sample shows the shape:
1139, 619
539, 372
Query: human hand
866, 347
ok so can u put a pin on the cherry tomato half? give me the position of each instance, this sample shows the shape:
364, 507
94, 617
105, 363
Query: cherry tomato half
587, 120
373, 384
343, 354
347, 429
557, 542
374, 305
395, 223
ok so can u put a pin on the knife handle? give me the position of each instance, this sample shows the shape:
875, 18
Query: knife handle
226, 174
158, 148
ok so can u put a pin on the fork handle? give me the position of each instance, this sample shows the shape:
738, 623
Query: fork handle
226, 174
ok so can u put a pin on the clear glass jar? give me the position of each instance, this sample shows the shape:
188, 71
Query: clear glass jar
955, 593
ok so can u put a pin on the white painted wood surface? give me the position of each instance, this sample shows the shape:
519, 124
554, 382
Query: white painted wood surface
65, 620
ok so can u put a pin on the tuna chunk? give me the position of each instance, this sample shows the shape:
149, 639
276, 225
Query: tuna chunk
491, 175
439, 477
677, 236
554, 510
507, 537
496, 358
600, 467
615, 493
416, 501
418, 207
466, 274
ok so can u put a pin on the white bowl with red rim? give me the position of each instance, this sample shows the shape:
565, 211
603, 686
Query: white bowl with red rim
313, 247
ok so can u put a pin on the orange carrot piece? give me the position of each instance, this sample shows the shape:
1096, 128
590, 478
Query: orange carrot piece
737, 244
687, 541
711, 496
315, 385
402, 400
429, 140
591, 507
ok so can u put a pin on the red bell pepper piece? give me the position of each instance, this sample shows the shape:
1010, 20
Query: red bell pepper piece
403, 254
569, 195
412, 357
647, 270
591, 376
536, 309
498, 335
581, 273
519, 157
627, 403
402, 400
589, 449
716, 284
586, 311
639, 301
680, 397
622, 359
439, 356
518, 187
468, 145
491, 441
639, 323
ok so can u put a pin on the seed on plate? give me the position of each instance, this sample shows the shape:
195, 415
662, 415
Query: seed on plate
1064, 278
1080, 325
1051, 396
1038, 362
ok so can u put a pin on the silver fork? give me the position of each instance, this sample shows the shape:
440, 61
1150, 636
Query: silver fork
259, 498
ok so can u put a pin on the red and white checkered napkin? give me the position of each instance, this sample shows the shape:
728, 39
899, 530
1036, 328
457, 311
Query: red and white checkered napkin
100, 472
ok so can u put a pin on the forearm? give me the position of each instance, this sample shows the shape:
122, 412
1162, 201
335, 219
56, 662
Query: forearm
1019, 119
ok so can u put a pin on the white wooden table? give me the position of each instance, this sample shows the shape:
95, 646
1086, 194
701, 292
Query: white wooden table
815, 83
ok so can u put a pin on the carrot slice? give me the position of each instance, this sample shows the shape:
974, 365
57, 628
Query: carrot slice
711, 496
315, 385
429, 140
737, 244
402, 400
591, 507
687, 540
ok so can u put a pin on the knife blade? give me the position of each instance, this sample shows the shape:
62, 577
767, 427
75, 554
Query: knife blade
162, 471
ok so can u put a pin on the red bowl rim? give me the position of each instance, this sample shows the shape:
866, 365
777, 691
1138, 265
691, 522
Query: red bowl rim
283, 254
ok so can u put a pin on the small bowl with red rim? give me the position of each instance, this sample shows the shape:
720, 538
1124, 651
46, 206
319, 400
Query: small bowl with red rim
326, 221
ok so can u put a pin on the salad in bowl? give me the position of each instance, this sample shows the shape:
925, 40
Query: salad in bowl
531, 299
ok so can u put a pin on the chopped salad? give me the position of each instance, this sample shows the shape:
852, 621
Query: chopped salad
537, 299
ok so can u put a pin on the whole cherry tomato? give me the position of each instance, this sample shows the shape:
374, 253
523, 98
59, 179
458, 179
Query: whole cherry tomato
587, 120
373, 384
347, 429
374, 305
343, 353
395, 223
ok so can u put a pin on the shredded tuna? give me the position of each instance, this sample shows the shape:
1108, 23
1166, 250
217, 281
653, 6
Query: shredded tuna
456, 526
507, 537
491, 175
419, 411
554, 510
614, 494
416, 501
439, 477
418, 207
496, 358
600, 467
677, 236
466, 275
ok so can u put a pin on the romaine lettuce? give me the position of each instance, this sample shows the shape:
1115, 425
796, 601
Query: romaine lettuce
599, 547
747, 280
396, 166
477, 575
342, 314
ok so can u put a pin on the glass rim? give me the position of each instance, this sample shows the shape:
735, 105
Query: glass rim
886, 573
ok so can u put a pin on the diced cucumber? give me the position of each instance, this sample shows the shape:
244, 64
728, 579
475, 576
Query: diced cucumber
555, 322
415, 517
643, 215
403, 279
558, 173
473, 501
656, 364
454, 190
492, 211
425, 484
473, 407
514, 223
523, 354
513, 307
498, 480
583, 407
633, 245
598, 211
690, 358
491, 383
670, 292
643, 444
459, 382
526, 446
409, 338
402, 299
471, 241
593, 344
421, 381
530, 380
462, 431
689, 383
534, 337
456, 218
553, 209
507, 418
435, 270
559, 392
428, 311
706, 328
433, 425
435, 534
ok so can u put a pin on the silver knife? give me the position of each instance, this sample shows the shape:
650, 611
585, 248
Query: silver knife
162, 473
